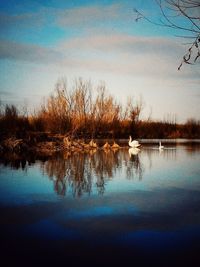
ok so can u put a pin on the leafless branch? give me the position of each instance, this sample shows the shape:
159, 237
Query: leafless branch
173, 12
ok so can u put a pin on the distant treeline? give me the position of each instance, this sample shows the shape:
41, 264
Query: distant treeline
82, 112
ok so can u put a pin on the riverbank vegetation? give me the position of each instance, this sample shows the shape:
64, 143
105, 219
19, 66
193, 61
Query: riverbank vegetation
82, 111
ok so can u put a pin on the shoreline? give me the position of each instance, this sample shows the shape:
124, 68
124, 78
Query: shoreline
45, 143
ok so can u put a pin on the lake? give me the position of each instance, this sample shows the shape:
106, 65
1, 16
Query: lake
102, 207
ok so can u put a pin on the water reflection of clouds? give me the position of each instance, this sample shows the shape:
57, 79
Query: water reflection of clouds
132, 215
101, 211
90, 212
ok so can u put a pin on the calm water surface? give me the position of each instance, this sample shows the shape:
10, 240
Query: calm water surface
102, 207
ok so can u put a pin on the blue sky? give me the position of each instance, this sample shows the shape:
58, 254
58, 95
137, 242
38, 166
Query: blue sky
41, 41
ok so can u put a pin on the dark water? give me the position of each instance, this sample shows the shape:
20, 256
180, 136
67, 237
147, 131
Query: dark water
103, 208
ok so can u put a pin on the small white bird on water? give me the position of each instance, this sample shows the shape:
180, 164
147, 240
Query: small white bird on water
133, 143
160, 146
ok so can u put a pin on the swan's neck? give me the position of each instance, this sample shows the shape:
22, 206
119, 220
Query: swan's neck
129, 140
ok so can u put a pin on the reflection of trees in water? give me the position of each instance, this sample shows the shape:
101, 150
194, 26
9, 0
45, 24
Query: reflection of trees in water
83, 172
104, 165
73, 172
16, 161
80, 176
76, 172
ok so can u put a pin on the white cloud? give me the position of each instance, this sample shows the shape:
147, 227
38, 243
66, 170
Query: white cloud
126, 54
118, 54
124, 43
28, 52
25, 20
92, 15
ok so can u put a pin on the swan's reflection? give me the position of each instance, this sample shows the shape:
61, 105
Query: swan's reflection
133, 151
134, 167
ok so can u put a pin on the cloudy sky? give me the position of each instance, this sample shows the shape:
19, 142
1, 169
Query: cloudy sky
44, 40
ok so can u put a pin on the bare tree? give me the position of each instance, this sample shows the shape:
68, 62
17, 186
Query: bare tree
57, 109
82, 103
182, 15
134, 109
107, 110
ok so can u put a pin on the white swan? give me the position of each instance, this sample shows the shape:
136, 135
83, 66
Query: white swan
133, 143
160, 146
